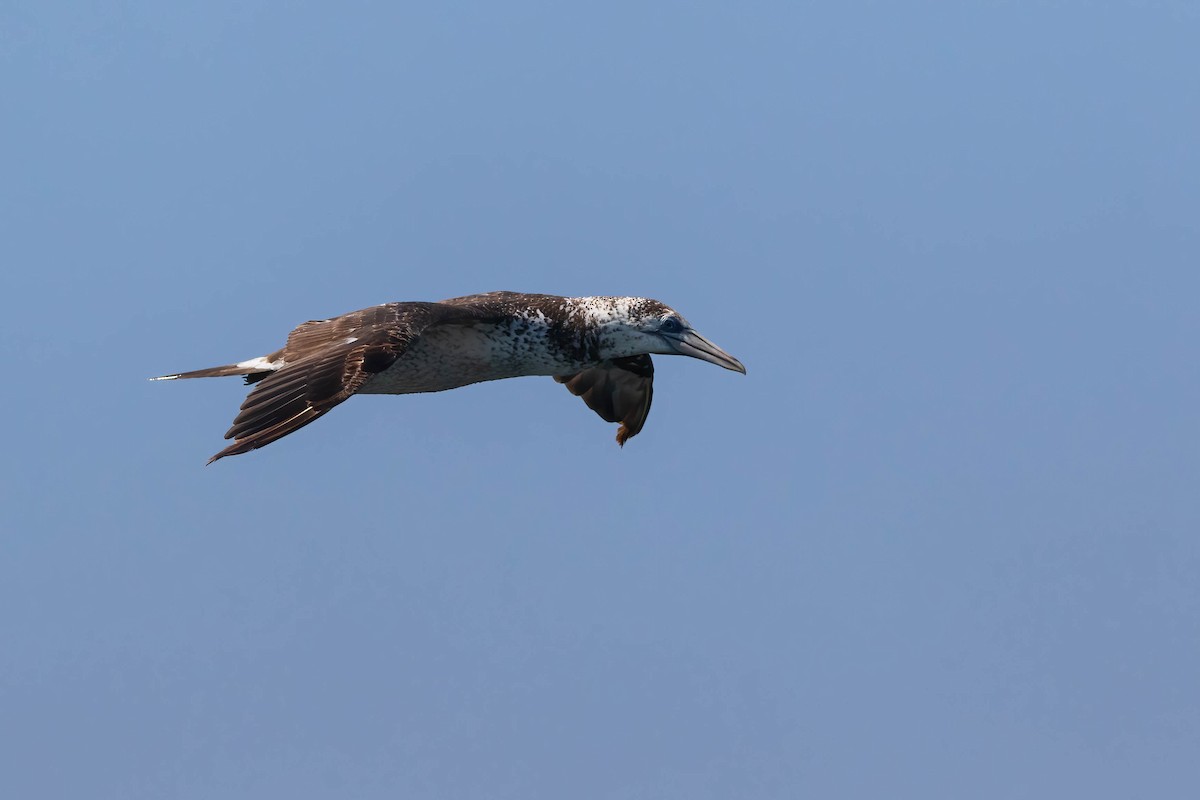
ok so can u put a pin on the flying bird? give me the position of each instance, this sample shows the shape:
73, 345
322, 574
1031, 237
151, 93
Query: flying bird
598, 347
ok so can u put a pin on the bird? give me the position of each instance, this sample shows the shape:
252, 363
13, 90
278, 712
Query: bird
599, 348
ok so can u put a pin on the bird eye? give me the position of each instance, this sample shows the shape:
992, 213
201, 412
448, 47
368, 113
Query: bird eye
671, 325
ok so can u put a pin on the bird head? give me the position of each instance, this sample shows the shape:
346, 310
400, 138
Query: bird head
630, 326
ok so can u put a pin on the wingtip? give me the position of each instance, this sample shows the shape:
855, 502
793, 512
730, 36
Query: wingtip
163, 378
232, 450
623, 435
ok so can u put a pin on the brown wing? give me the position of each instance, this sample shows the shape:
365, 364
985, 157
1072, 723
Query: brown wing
619, 390
326, 362
318, 335
299, 393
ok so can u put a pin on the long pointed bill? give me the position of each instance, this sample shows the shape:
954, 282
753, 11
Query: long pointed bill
690, 343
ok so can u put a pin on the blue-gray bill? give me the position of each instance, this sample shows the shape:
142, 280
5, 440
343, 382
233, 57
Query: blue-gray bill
690, 343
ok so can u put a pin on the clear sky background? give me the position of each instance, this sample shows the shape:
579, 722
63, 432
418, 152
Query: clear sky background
940, 542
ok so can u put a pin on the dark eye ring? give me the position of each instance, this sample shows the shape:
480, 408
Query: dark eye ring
671, 325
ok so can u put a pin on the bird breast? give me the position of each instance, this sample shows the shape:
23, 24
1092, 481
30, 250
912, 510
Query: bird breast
446, 358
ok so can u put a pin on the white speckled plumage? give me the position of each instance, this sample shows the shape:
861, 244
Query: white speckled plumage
454, 356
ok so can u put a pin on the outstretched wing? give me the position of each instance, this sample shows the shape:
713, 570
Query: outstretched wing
619, 390
325, 362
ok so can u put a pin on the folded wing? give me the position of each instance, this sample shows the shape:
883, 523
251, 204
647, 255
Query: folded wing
619, 390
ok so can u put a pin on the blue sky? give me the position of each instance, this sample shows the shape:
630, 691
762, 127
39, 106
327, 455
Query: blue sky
941, 541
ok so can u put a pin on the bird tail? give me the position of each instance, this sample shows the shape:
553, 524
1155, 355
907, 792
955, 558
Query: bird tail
255, 370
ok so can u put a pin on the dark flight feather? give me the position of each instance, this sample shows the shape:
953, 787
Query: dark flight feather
619, 390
